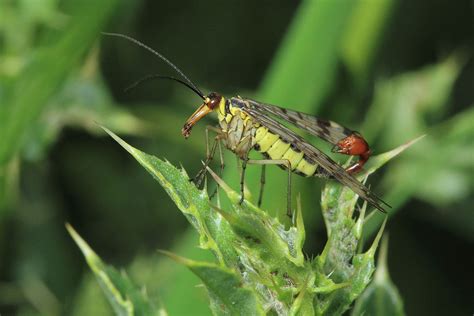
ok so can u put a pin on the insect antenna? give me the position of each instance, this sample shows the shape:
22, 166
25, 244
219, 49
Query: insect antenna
154, 76
137, 42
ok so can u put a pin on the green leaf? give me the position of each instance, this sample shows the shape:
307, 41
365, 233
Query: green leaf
268, 234
409, 98
23, 98
46, 71
262, 255
122, 294
339, 258
363, 34
215, 234
381, 297
378, 161
318, 24
9, 185
344, 232
246, 239
357, 275
228, 294
166, 282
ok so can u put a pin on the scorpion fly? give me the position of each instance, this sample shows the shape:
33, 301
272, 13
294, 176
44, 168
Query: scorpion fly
246, 125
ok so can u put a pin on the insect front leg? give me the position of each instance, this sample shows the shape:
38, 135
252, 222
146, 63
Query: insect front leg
242, 178
222, 166
209, 154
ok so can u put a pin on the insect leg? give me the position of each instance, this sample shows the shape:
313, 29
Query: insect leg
202, 173
221, 170
280, 162
262, 184
221, 157
209, 154
245, 160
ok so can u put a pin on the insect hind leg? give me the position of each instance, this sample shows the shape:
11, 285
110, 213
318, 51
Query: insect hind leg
262, 185
278, 162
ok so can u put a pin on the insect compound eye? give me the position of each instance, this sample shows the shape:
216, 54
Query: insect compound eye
214, 100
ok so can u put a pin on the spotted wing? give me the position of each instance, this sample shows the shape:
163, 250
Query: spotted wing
317, 156
327, 130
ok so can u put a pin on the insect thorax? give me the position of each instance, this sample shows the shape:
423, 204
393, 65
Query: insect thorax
238, 129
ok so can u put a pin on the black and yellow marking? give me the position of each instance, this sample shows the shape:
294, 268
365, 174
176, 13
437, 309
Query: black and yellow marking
275, 148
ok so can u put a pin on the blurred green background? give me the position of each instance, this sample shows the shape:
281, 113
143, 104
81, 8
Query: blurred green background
393, 70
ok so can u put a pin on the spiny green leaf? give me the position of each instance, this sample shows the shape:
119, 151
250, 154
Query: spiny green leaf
124, 297
364, 265
267, 233
378, 161
338, 201
267, 257
339, 258
357, 276
303, 304
225, 286
194, 204
381, 297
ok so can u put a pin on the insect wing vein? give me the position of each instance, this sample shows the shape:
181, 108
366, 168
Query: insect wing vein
328, 130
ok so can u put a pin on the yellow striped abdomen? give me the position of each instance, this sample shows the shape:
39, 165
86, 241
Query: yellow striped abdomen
273, 147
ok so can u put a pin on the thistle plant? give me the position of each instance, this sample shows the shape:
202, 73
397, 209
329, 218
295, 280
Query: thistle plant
260, 266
